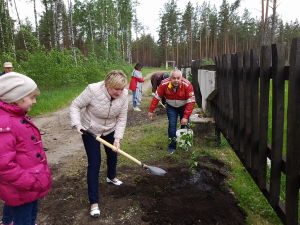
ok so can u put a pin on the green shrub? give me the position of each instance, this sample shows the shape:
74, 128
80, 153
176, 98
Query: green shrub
55, 69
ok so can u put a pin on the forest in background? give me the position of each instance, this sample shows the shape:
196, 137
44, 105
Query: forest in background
74, 40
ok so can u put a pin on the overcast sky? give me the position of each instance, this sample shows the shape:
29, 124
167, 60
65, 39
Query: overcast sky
148, 10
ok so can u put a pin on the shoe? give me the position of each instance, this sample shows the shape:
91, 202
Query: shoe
115, 181
95, 212
137, 109
171, 151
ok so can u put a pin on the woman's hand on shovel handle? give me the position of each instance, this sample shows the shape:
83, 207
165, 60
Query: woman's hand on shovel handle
117, 145
79, 128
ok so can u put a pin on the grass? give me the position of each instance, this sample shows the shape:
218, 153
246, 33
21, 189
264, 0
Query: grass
147, 70
54, 99
286, 85
147, 142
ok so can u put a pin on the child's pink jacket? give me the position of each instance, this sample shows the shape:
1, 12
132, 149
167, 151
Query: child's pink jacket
24, 172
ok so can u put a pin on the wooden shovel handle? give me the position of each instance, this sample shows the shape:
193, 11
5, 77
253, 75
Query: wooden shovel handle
119, 151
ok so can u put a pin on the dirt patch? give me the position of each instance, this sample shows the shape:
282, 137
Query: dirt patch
179, 197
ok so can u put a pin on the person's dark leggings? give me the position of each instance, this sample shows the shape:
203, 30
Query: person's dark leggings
92, 148
173, 113
25, 214
6, 215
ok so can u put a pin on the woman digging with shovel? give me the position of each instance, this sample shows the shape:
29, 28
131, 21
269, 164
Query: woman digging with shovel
102, 109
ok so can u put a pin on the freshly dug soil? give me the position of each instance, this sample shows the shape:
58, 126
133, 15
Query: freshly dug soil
180, 197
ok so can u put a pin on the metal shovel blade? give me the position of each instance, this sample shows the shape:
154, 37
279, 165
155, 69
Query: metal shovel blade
155, 170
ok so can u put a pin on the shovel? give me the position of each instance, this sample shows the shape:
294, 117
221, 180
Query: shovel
152, 169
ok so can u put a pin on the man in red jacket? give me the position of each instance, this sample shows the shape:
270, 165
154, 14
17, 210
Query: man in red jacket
180, 100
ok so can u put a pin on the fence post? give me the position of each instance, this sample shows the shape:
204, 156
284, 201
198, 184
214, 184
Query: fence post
228, 96
235, 100
254, 64
265, 63
277, 122
293, 153
241, 85
248, 110
194, 69
216, 110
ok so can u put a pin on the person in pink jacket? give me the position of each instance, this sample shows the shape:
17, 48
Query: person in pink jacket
24, 172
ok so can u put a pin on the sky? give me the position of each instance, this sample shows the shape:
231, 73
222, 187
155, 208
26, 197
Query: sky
148, 10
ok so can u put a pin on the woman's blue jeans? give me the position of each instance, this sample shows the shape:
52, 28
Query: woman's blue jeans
173, 113
92, 148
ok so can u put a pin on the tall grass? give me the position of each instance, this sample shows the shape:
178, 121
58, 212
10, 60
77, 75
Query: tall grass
54, 99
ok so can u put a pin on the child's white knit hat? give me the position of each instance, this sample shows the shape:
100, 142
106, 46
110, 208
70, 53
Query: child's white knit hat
15, 86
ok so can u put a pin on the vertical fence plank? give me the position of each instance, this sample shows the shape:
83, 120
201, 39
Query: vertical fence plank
225, 95
229, 97
241, 125
235, 101
248, 124
221, 96
293, 151
194, 69
277, 122
216, 103
254, 60
265, 64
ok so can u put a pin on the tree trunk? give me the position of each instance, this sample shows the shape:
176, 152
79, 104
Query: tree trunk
72, 37
264, 22
20, 25
274, 21
35, 19
92, 33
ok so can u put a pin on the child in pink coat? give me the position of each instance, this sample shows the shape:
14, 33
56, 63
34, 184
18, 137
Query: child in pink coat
24, 172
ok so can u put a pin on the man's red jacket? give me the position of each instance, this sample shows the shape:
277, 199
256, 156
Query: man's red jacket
184, 95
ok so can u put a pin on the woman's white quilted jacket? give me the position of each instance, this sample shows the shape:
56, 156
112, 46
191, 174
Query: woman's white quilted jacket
96, 111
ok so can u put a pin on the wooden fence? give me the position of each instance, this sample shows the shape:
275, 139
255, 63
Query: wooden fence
241, 110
